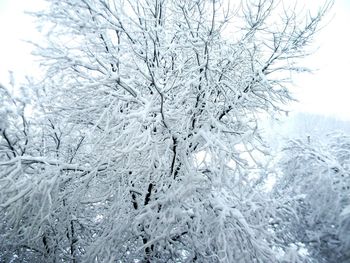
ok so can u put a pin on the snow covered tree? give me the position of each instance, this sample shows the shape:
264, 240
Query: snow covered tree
152, 109
32, 148
316, 178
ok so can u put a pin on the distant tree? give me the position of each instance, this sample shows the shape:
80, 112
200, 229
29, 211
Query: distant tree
149, 113
316, 178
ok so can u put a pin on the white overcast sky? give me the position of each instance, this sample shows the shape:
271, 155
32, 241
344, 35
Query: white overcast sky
327, 91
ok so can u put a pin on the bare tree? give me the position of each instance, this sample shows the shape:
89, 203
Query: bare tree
164, 96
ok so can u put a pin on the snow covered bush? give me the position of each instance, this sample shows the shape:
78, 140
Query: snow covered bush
316, 178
